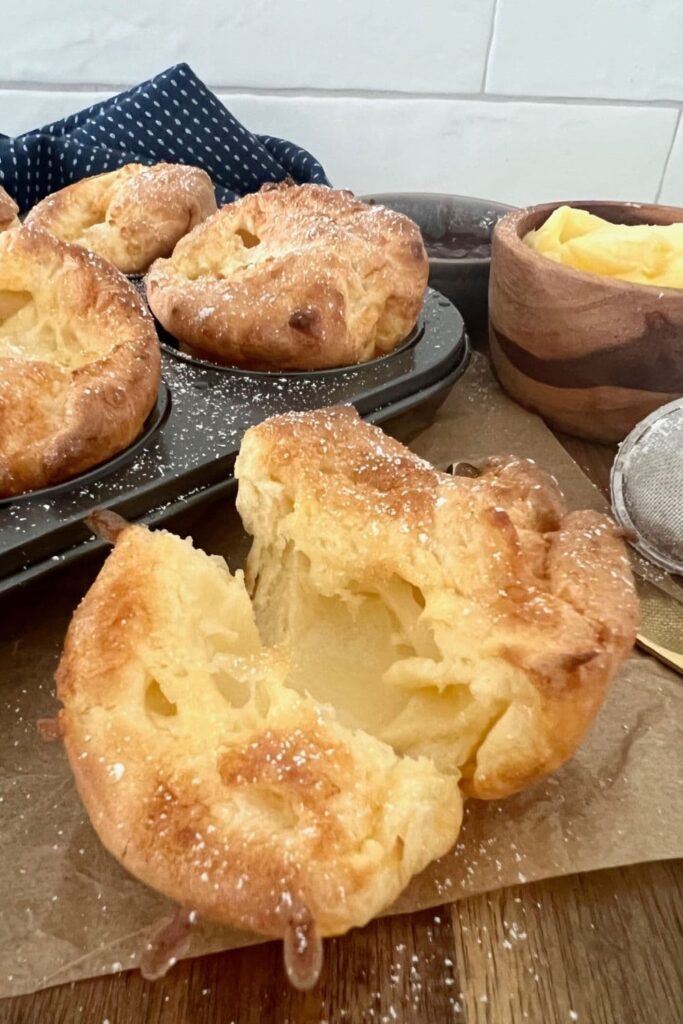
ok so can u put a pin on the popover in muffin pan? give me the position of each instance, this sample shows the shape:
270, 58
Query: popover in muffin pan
293, 277
79, 361
130, 216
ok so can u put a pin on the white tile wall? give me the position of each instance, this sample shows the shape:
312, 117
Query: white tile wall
23, 109
517, 152
620, 49
522, 100
672, 186
333, 44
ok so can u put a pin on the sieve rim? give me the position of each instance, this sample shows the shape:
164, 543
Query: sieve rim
617, 480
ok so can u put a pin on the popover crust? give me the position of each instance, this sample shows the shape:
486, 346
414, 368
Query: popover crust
130, 216
293, 277
9, 211
413, 638
79, 361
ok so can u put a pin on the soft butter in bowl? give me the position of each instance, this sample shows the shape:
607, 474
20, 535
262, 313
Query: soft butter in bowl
643, 253
586, 312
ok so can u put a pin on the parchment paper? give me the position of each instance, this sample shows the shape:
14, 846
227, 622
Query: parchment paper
69, 911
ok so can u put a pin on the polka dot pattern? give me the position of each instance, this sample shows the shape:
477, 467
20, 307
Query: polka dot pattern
172, 117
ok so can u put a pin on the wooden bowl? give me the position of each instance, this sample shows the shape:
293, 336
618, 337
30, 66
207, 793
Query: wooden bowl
591, 354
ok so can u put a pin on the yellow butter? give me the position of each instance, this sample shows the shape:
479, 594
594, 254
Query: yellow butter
643, 253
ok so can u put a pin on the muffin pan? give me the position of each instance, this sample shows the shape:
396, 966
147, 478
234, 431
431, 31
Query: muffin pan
187, 450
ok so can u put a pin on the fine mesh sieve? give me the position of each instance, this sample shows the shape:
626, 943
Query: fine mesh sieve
647, 486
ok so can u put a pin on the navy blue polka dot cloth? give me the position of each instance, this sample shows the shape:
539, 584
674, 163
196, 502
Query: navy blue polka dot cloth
172, 117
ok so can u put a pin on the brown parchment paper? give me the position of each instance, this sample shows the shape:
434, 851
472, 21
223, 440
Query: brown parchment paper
69, 911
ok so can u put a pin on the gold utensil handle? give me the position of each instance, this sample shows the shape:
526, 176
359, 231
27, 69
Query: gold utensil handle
671, 658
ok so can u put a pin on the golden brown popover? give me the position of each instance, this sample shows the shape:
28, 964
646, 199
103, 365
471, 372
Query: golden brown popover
413, 638
294, 277
130, 216
79, 360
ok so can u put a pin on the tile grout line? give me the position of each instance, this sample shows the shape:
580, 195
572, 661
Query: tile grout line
492, 32
665, 168
369, 94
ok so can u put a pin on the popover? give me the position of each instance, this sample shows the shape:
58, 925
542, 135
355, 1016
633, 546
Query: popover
9, 211
79, 360
130, 216
411, 639
293, 277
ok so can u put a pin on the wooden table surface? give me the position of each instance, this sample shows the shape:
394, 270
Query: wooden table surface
598, 948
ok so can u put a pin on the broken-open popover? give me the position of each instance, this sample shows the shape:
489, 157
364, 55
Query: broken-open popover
130, 216
296, 748
79, 361
294, 277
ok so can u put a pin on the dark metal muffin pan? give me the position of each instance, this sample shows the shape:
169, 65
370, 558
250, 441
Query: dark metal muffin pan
187, 450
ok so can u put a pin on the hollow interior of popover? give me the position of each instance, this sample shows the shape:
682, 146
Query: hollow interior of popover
33, 330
